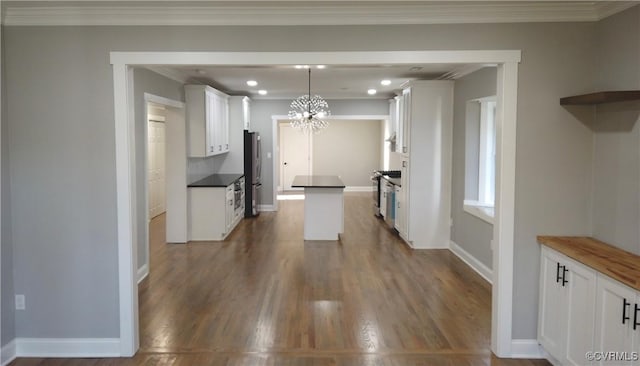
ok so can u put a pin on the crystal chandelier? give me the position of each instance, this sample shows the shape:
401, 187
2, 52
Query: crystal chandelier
307, 112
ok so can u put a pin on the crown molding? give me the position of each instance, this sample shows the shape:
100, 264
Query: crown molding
266, 12
607, 8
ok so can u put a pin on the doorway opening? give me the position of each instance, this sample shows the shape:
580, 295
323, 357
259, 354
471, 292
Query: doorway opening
507, 61
163, 170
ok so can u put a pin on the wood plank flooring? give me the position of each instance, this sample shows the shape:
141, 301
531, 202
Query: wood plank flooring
267, 297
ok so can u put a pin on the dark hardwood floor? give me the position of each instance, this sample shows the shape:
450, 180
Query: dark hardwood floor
267, 297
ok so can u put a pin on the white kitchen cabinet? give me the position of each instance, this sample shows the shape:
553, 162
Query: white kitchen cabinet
212, 214
426, 141
567, 308
581, 292
207, 121
246, 113
404, 120
615, 317
553, 303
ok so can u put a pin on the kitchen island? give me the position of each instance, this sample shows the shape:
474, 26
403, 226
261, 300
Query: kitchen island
323, 206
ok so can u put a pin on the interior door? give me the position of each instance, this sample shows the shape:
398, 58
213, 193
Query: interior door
156, 168
295, 154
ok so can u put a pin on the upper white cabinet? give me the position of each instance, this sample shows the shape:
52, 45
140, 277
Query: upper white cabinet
207, 121
425, 138
246, 113
399, 122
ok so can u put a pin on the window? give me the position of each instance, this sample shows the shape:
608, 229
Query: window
480, 158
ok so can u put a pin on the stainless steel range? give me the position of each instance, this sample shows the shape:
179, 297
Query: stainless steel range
377, 186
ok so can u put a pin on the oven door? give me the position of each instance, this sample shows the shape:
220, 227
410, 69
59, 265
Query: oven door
237, 200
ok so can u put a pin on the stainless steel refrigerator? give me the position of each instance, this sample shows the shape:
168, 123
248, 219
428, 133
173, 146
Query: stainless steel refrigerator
252, 169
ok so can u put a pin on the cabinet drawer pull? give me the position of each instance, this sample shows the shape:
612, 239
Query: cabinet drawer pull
625, 317
557, 272
564, 274
635, 316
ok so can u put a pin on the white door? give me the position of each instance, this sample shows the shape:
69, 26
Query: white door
156, 168
614, 318
295, 154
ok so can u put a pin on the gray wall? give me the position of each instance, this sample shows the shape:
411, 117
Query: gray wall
7, 333
62, 167
618, 56
468, 231
263, 109
146, 81
616, 171
350, 149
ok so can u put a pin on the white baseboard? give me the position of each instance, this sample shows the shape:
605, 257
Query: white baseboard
484, 271
67, 347
8, 353
359, 188
526, 348
143, 272
266, 208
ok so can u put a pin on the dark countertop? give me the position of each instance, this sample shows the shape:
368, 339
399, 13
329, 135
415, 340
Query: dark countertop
394, 181
216, 180
317, 181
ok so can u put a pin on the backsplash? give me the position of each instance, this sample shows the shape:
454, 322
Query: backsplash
198, 168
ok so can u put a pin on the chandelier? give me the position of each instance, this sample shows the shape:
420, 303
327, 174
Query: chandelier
307, 112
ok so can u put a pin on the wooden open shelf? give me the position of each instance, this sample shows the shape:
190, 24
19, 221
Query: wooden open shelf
601, 97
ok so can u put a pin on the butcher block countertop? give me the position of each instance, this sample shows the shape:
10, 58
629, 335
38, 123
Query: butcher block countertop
614, 262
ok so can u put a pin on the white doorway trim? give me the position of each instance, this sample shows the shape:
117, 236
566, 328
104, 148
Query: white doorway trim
143, 271
507, 61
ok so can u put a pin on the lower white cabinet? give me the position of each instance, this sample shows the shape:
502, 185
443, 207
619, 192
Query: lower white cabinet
567, 308
583, 313
211, 213
618, 321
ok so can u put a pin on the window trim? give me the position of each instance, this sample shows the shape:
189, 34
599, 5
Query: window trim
482, 211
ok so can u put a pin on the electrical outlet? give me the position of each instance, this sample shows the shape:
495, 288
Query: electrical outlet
20, 302
268, 155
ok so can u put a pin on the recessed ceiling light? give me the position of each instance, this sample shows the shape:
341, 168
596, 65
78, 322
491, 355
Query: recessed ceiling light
262, 92
372, 91
252, 83
385, 82
321, 66
302, 66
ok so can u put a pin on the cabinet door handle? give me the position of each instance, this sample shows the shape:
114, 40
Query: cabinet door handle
564, 274
635, 316
558, 272
625, 303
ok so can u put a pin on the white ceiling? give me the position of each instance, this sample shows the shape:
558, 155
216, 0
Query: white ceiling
332, 82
